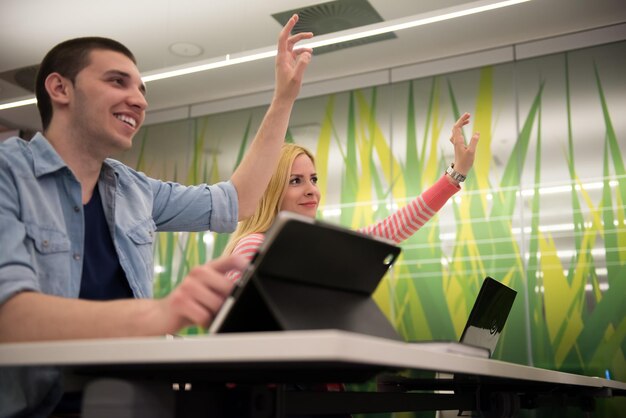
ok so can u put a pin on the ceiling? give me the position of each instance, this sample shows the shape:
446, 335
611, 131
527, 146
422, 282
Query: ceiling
29, 28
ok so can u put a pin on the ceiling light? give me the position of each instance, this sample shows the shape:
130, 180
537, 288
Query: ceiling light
18, 103
410, 22
210, 65
324, 40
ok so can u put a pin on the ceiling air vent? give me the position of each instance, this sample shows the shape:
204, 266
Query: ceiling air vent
22, 77
335, 16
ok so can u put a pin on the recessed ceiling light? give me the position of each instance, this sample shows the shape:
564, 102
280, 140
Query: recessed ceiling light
186, 49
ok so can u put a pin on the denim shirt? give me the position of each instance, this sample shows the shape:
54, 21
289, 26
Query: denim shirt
42, 234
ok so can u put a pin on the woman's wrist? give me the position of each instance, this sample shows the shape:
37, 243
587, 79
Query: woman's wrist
454, 174
452, 181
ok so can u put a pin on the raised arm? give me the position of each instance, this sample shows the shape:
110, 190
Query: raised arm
33, 316
254, 172
403, 223
406, 221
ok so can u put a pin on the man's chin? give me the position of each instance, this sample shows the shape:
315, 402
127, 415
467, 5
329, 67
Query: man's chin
124, 144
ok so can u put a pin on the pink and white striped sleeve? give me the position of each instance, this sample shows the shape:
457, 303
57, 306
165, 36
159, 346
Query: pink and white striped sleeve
403, 223
247, 246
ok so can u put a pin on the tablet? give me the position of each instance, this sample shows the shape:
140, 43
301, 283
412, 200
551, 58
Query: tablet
310, 274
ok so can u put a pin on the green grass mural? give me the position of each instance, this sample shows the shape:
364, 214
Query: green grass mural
570, 313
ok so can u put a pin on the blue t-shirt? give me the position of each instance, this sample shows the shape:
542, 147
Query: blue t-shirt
103, 277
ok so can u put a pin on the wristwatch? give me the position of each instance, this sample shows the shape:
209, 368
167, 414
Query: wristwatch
455, 174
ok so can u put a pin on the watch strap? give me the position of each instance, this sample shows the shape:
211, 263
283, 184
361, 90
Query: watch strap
455, 174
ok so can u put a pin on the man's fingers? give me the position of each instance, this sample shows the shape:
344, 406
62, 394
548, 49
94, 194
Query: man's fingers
192, 302
301, 64
285, 32
202, 293
201, 296
301, 51
225, 264
212, 275
294, 39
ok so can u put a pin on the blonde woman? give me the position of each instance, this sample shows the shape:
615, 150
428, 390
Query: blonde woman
293, 187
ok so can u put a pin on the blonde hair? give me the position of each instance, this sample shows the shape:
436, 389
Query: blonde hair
272, 199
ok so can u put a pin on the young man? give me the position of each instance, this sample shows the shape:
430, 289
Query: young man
76, 227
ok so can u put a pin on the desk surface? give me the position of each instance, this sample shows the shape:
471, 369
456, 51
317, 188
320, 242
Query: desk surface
301, 348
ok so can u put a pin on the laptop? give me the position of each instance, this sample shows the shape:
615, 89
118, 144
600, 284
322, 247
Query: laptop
309, 274
484, 324
488, 315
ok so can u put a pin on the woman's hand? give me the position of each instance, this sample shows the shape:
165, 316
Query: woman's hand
463, 154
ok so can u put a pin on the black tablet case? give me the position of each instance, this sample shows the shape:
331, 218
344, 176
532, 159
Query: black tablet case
309, 274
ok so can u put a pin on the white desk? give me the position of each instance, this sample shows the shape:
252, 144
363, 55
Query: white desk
287, 357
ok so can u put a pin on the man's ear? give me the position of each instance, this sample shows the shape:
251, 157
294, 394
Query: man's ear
58, 88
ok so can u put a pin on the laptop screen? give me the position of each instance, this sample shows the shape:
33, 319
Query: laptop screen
489, 314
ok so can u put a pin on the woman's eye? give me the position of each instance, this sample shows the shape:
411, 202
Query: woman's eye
314, 179
294, 180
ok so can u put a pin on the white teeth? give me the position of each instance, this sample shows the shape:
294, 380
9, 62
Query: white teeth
127, 119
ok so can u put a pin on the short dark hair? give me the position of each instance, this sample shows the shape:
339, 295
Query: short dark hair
68, 59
